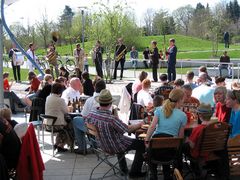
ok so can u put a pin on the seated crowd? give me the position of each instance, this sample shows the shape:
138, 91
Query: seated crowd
174, 105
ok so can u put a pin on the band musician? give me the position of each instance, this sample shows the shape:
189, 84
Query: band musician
52, 59
98, 51
120, 56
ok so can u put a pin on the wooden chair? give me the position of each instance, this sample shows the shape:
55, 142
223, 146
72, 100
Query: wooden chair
213, 139
166, 144
234, 155
102, 156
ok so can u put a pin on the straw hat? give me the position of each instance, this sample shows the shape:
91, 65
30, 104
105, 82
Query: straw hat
205, 109
105, 97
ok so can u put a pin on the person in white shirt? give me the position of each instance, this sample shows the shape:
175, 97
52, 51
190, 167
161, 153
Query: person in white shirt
73, 91
91, 103
204, 93
144, 97
31, 53
79, 55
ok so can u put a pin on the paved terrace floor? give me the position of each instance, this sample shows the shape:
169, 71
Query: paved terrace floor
69, 166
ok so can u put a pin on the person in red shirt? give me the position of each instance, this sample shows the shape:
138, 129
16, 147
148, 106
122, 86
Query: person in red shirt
222, 112
32, 77
205, 113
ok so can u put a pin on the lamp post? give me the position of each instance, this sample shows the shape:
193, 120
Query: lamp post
83, 24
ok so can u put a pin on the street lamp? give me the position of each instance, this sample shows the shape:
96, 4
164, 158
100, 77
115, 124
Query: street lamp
83, 23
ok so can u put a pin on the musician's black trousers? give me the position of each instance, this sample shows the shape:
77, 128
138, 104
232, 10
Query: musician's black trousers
154, 72
98, 64
171, 72
122, 61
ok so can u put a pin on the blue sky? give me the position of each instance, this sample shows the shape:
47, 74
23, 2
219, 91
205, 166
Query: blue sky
25, 11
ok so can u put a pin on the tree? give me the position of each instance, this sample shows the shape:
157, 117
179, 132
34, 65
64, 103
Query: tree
148, 21
44, 28
183, 17
65, 24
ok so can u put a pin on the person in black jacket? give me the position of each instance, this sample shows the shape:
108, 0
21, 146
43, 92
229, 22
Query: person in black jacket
98, 51
155, 60
88, 88
171, 57
120, 52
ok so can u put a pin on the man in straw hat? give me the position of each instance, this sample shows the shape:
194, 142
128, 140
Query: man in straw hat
111, 138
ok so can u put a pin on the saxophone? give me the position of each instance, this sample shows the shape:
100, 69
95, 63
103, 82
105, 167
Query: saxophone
119, 56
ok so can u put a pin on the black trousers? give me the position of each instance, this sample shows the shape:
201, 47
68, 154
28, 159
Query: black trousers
98, 64
16, 72
136, 167
12, 98
154, 72
145, 62
171, 73
122, 61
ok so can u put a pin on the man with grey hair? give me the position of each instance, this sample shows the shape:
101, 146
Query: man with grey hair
222, 111
204, 93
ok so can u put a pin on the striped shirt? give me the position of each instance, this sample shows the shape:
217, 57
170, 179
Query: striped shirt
111, 130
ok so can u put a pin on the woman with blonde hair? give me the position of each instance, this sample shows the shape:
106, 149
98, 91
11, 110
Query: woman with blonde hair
168, 121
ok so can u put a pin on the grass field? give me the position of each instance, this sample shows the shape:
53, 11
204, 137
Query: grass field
24, 73
188, 47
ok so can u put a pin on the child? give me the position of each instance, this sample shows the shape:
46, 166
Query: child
6, 85
157, 101
85, 62
203, 69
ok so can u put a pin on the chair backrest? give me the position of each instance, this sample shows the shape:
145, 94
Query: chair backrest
37, 108
48, 117
92, 130
136, 112
165, 143
214, 137
234, 154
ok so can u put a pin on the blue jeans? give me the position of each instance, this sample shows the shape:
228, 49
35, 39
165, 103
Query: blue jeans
79, 132
134, 63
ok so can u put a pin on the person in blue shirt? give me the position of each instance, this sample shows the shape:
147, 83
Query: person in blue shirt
134, 57
168, 121
233, 101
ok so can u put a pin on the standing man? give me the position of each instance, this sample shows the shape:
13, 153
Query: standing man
78, 53
16, 66
226, 39
31, 53
52, 59
98, 51
155, 60
120, 52
171, 57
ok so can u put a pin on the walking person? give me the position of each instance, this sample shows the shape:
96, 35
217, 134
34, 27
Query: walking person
52, 59
31, 53
120, 53
98, 51
171, 57
154, 60
78, 53
15, 66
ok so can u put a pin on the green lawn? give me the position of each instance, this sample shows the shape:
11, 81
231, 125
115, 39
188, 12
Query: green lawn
186, 47
24, 73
